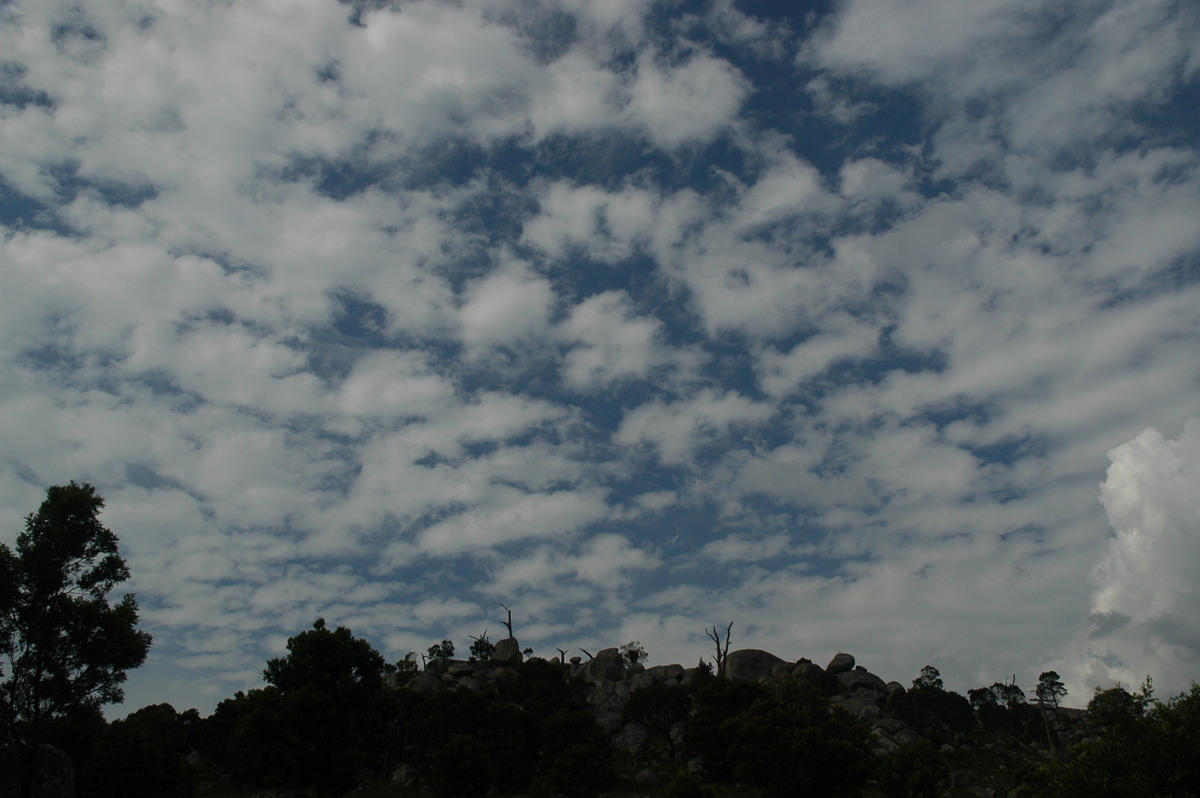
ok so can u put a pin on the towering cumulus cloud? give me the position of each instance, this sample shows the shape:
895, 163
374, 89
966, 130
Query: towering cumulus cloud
1146, 607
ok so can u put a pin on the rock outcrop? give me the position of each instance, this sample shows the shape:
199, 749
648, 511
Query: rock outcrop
609, 680
860, 677
840, 663
753, 665
613, 679
507, 652
54, 775
607, 666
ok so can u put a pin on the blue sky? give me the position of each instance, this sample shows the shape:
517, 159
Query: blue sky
868, 326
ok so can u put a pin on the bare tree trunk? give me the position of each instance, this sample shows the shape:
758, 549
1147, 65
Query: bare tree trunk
715, 636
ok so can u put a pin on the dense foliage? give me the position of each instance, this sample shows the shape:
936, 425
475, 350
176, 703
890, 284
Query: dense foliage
327, 722
321, 719
790, 742
1145, 748
144, 754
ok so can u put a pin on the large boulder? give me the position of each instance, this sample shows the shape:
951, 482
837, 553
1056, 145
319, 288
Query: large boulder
815, 675
54, 774
861, 708
459, 670
666, 673
840, 663
507, 652
690, 675
606, 666
641, 681
442, 666
861, 678
630, 737
641, 678
891, 725
751, 664
610, 697
426, 683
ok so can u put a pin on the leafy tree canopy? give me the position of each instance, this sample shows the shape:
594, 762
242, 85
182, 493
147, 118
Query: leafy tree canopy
634, 651
322, 718
930, 679
145, 754
63, 645
442, 650
1146, 748
324, 659
792, 742
1050, 689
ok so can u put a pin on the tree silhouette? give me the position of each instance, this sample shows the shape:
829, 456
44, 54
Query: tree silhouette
1050, 689
323, 713
715, 636
63, 645
930, 678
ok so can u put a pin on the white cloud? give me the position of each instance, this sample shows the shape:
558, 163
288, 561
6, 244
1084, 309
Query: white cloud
873, 180
732, 260
509, 308
842, 338
438, 610
607, 225
899, 44
611, 342
676, 430
1054, 80
767, 39
737, 548
687, 102
506, 515
1143, 607
604, 20
790, 474
604, 562
655, 501
394, 385
579, 95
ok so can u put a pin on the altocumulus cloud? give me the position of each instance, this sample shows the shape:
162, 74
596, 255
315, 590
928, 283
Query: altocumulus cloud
634, 316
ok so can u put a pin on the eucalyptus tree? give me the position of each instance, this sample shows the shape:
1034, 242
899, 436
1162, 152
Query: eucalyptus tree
63, 643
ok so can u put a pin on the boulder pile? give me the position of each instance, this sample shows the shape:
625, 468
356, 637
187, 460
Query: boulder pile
612, 679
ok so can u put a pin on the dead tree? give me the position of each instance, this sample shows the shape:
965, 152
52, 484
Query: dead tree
714, 635
508, 623
562, 655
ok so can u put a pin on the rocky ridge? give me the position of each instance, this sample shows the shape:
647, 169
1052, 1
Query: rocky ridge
613, 679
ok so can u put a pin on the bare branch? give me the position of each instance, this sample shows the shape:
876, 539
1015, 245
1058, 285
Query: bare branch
714, 634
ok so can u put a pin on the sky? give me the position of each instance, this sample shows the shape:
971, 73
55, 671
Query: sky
866, 326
